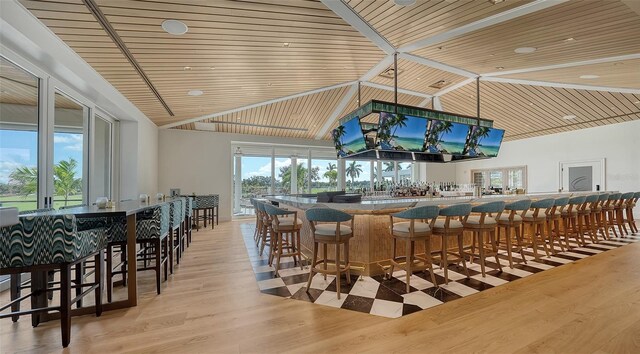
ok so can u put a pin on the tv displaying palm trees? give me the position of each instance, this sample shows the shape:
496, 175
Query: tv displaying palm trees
348, 138
401, 132
484, 142
446, 137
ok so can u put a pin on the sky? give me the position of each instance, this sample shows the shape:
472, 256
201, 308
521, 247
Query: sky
352, 132
494, 138
261, 166
416, 128
20, 148
458, 134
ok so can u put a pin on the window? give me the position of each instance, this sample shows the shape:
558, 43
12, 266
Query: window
324, 175
19, 172
404, 171
505, 178
282, 175
358, 174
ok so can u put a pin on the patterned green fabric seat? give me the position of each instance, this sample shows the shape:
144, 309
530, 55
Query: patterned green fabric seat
41, 210
206, 201
153, 223
115, 227
176, 213
49, 239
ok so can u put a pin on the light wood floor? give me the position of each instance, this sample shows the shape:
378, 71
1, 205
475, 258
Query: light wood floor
212, 304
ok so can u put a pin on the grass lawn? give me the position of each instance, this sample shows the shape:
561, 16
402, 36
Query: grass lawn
29, 202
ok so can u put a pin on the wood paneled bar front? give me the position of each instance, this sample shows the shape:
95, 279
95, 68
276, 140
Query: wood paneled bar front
371, 246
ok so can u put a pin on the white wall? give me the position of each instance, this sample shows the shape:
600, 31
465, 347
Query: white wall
202, 162
619, 144
147, 176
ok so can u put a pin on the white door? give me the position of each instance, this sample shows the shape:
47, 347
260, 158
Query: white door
580, 176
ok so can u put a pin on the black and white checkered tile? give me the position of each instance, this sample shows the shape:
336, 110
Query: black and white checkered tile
389, 298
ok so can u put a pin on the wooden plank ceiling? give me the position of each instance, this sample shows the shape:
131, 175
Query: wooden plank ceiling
235, 52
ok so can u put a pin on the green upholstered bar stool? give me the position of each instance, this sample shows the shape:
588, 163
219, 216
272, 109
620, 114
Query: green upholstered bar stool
152, 234
452, 226
536, 220
416, 226
629, 212
285, 235
205, 204
264, 228
176, 216
330, 227
609, 214
554, 223
216, 209
621, 207
256, 231
600, 216
587, 219
573, 223
39, 244
188, 223
481, 225
41, 210
511, 220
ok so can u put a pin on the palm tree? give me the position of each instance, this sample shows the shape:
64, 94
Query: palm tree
301, 176
445, 127
332, 173
388, 166
337, 136
399, 121
64, 179
353, 171
26, 178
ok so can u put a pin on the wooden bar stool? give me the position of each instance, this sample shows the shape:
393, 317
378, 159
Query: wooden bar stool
176, 217
629, 212
587, 219
599, 215
417, 229
327, 228
39, 244
536, 221
554, 221
573, 224
284, 222
452, 226
256, 231
188, 223
513, 221
152, 234
480, 226
620, 208
264, 228
609, 214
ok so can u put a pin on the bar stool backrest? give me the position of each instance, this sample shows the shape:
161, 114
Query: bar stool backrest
591, 198
154, 222
427, 212
461, 211
522, 205
543, 204
34, 211
175, 212
488, 208
328, 215
626, 198
274, 212
72, 206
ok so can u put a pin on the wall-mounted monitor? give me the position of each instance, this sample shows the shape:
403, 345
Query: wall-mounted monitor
484, 142
348, 138
446, 137
400, 132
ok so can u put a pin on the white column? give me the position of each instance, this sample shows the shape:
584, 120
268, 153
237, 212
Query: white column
379, 165
436, 103
341, 175
237, 181
396, 175
294, 175
371, 173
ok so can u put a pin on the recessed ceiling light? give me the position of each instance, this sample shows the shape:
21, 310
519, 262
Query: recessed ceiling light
500, 67
531, 104
636, 102
569, 116
213, 68
195, 93
174, 27
570, 39
404, 2
238, 118
589, 76
417, 78
525, 50
187, 68
495, 1
285, 44
269, 84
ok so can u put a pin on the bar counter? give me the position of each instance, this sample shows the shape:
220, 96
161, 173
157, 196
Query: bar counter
371, 245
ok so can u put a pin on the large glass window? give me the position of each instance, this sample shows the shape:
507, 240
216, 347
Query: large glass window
324, 176
502, 179
18, 137
282, 175
69, 146
358, 174
404, 171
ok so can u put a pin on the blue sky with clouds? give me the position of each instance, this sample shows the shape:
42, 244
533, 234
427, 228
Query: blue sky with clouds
20, 148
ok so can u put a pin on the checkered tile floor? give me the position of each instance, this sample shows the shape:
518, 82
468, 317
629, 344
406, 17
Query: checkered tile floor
389, 298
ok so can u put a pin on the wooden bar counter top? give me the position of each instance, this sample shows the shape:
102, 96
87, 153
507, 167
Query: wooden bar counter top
371, 245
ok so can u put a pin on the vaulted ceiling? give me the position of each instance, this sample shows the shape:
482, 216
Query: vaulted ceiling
291, 68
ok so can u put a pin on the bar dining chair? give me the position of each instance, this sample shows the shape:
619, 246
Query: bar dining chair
512, 220
152, 234
449, 227
482, 225
536, 221
284, 222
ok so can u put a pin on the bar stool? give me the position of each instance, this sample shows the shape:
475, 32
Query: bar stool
327, 228
188, 223
284, 222
39, 244
629, 212
620, 208
152, 233
572, 223
609, 214
483, 224
264, 228
554, 218
452, 226
176, 215
418, 228
599, 215
206, 204
536, 221
586, 217
513, 221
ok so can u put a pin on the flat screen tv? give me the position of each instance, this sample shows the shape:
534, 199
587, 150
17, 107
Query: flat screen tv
446, 137
348, 138
401, 132
484, 142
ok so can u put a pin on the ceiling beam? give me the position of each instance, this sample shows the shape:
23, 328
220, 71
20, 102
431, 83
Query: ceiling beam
378, 68
485, 22
336, 112
454, 87
565, 65
436, 64
390, 88
560, 85
353, 18
425, 102
275, 100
